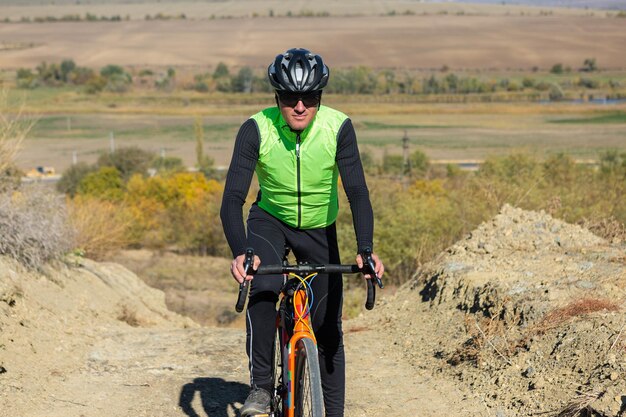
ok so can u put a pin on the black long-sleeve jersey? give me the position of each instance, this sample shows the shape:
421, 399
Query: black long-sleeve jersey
241, 170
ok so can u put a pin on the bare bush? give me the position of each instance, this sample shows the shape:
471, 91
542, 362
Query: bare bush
13, 130
610, 228
33, 226
484, 333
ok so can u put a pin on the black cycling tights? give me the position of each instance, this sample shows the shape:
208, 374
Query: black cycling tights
268, 237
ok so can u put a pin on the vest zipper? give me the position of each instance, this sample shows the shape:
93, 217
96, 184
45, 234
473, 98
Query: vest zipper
298, 179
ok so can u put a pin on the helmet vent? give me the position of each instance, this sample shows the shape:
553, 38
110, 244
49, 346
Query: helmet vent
298, 70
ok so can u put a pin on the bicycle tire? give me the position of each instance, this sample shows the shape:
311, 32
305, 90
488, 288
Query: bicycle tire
309, 399
277, 376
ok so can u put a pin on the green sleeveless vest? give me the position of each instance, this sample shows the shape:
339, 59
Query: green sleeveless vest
297, 172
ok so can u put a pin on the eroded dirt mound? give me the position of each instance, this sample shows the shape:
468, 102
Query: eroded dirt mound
50, 320
526, 312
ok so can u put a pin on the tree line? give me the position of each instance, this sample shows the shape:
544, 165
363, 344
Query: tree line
350, 81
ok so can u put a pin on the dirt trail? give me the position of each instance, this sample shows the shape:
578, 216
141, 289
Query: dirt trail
92, 340
522, 317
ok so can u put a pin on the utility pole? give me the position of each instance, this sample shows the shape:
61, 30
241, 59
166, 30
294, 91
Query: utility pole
406, 172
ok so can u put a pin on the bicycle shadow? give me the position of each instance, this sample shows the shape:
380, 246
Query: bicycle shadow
217, 396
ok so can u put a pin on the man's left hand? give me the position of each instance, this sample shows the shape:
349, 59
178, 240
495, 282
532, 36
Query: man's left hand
380, 268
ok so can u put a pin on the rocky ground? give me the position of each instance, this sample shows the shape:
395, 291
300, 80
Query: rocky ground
522, 317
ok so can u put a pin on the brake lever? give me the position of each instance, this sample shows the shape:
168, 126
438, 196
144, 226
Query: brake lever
371, 265
248, 264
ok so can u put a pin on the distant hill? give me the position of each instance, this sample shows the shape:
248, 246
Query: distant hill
581, 4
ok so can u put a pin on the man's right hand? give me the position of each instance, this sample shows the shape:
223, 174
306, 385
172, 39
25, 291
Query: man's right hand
237, 270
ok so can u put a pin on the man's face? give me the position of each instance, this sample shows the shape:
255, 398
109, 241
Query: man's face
298, 110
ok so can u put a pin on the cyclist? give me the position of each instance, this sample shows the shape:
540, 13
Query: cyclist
297, 150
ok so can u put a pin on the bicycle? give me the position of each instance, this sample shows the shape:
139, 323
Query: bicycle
297, 388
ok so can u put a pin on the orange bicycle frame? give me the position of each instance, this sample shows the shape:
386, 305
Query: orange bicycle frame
302, 329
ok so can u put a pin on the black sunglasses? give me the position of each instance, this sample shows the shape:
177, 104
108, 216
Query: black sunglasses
292, 99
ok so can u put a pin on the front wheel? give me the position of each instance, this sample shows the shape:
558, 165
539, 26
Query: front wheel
309, 400
279, 386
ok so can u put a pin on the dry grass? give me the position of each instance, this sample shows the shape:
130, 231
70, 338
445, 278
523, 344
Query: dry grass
580, 406
610, 229
101, 227
572, 310
484, 333
502, 336
129, 316
13, 129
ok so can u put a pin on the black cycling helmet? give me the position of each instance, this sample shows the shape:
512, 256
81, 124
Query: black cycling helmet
299, 71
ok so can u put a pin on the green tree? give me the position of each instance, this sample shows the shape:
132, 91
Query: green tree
589, 65
67, 66
221, 71
204, 163
127, 160
557, 69
242, 82
71, 178
111, 70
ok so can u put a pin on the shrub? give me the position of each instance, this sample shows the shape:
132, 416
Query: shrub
117, 79
33, 226
71, 178
101, 227
127, 160
111, 70
95, 84
557, 69
106, 183
168, 165
242, 82
393, 164
588, 83
81, 76
180, 209
419, 163
26, 78
222, 77
589, 65
528, 82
